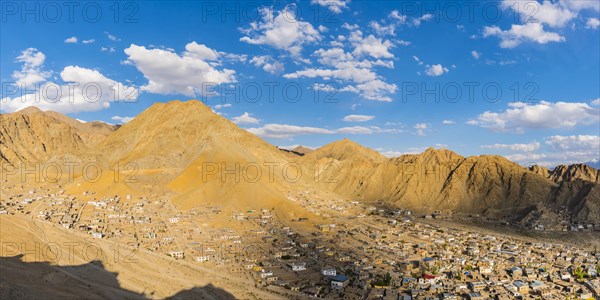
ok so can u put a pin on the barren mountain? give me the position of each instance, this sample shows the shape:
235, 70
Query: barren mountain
573, 172
443, 180
303, 150
32, 136
204, 159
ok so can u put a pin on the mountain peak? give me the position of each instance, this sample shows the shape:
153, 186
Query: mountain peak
29, 110
347, 149
441, 154
192, 103
575, 171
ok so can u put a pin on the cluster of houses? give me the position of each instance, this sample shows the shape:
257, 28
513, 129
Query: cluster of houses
354, 252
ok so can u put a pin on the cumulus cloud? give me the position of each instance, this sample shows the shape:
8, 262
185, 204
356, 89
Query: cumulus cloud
283, 131
220, 106
335, 6
383, 30
267, 63
397, 16
553, 14
112, 37
575, 142
108, 49
521, 116
170, 73
421, 128
83, 90
352, 68
32, 69
578, 5
358, 118
284, 31
562, 150
592, 23
121, 120
90, 41
417, 21
533, 146
517, 34
448, 122
200, 52
436, 70
475, 54
294, 146
245, 118
71, 40
370, 45
355, 130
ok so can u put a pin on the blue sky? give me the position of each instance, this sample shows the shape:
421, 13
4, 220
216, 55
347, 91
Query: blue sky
519, 79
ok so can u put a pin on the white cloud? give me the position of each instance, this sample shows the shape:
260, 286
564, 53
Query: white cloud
358, 118
475, 54
355, 130
268, 64
112, 37
592, 23
84, 90
421, 128
284, 31
323, 87
562, 150
345, 67
71, 40
533, 146
106, 49
170, 73
88, 41
370, 45
397, 16
596, 102
436, 70
553, 14
335, 6
220, 106
575, 142
292, 147
121, 120
373, 90
578, 5
519, 33
383, 30
448, 122
425, 17
521, 116
282, 131
417, 60
201, 52
391, 153
31, 71
245, 118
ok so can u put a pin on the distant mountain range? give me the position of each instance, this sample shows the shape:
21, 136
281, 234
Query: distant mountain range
171, 145
594, 163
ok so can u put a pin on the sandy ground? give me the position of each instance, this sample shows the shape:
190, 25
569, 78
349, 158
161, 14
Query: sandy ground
57, 263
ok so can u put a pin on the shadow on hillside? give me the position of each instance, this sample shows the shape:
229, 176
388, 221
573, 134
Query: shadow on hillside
41, 280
